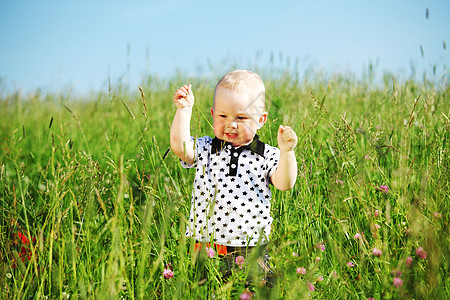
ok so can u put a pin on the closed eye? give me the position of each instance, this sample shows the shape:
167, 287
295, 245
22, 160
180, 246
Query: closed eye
222, 116
242, 118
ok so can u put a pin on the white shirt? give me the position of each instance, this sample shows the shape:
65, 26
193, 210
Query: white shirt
231, 196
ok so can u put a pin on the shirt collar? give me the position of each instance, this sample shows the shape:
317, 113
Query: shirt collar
255, 145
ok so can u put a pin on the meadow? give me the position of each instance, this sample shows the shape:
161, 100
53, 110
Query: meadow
93, 206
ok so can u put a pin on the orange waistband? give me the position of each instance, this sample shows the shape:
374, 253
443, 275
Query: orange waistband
221, 249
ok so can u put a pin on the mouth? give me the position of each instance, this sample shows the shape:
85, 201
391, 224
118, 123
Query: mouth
231, 135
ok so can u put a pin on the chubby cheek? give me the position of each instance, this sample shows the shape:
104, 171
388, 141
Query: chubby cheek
218, 127
249, 132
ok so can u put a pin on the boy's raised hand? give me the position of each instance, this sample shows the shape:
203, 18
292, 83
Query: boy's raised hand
184, 97
287, 139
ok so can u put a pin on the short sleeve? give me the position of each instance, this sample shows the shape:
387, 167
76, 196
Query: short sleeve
272, 157
185, 164
202, 145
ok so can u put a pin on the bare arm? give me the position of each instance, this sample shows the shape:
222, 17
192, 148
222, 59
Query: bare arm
286, 174
180, 133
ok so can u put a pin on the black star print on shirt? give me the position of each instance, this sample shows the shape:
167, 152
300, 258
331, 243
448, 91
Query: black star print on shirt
230, 191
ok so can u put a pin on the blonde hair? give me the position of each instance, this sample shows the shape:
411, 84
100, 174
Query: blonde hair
243, 81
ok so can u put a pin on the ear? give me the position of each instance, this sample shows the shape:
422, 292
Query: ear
212, 112
262, 119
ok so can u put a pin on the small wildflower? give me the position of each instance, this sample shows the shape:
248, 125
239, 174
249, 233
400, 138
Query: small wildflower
384, 188
334, 274
168, 273
375, 228
437, 215
23, 238
319, 278
301, 271
357, 236
370, 299
240, 261
322, 247
398, 282
65, 295
397, 273
317, 259
311, 287
294, 254
25, 251
376, 213
340, 182
8, 275
246, 296
421, 253
377, 252
41, 187
409, 261
350, 264
210, 252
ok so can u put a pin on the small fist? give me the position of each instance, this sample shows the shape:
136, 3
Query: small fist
287, 139
184, 97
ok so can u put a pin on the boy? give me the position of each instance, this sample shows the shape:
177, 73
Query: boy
231, 198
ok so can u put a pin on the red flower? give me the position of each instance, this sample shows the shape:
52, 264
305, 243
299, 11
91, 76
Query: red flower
377, 252
398, 282
25, 252
384, 188
409, 261
23, 238
421, 253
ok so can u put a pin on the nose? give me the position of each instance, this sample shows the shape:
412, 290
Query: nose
233, 124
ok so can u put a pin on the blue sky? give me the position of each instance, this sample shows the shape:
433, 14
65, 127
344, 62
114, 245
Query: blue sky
53, 45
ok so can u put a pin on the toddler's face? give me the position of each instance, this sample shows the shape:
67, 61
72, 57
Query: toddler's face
237, 116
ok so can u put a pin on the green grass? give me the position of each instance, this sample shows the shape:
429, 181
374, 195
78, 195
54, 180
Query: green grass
86, 179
